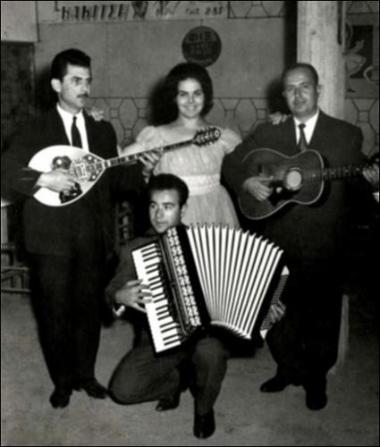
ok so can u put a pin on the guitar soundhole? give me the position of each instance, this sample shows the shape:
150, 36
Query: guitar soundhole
293, 179
70, 195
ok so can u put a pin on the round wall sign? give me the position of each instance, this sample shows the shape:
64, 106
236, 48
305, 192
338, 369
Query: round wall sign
201, 45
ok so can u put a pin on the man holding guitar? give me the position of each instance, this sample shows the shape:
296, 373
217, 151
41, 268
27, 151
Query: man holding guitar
71, 247
304, 343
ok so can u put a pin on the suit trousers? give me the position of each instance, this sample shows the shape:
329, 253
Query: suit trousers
304, 342
143, 376
67, 294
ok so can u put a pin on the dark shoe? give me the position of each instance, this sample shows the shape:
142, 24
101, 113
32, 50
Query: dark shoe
204, 425
168, 402
275, 384
316, 397
92, 387
60, 398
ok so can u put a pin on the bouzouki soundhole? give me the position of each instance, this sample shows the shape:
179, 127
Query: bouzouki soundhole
88, 168
61, 163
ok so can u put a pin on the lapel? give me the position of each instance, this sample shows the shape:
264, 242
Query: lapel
91, 131
289, 136
320, 134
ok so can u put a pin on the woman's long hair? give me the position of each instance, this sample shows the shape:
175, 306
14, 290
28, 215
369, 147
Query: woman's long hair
163, 106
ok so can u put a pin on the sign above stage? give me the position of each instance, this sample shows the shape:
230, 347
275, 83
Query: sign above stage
108, 11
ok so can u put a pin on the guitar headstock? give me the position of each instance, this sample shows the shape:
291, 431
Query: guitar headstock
206, 136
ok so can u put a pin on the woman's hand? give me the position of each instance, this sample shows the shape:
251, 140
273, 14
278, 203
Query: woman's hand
277, 118
371, 174
97, 114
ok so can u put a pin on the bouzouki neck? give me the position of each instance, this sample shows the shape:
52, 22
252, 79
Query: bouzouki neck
87, 168
131, 158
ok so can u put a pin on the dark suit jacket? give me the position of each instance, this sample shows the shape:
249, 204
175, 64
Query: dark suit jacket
62, 230
305, 232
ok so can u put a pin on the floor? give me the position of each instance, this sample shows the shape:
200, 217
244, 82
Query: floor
244, 415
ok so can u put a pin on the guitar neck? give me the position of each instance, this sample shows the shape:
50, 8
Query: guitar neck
342, 172
115, 161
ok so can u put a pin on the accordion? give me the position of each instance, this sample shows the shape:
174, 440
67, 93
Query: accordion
208, 274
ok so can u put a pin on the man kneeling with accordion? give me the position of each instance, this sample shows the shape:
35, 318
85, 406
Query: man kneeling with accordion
192, 281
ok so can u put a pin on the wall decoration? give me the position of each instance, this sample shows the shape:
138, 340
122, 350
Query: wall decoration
362, 56
202, 45
255, 9
108, 11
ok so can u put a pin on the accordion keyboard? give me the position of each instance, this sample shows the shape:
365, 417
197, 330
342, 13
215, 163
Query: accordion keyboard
165, 330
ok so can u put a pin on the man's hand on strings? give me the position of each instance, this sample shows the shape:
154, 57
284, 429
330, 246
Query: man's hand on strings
259, 187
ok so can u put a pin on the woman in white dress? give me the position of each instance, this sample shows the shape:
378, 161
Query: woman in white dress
188, 94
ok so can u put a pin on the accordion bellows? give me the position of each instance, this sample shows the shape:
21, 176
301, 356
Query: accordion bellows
208, 274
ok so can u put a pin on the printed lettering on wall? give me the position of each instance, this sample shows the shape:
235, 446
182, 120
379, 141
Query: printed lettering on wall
108, 11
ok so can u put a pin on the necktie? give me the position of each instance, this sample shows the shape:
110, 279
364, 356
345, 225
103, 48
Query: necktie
76, 140
302, 144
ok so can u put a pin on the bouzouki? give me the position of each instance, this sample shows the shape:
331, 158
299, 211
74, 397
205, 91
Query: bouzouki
87, 168
298, 179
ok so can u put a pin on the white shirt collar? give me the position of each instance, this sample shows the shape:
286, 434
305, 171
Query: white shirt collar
67, 119
309, 126
67, 116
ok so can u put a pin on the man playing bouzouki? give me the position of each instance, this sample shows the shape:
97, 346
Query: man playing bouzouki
304, 342
71, 248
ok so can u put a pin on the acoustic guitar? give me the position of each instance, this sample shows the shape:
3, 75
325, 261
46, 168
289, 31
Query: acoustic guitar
297, 179
87, 168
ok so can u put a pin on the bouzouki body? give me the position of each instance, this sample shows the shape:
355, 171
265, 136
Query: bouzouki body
87, 168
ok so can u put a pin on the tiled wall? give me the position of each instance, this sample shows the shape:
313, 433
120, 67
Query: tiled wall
129, 116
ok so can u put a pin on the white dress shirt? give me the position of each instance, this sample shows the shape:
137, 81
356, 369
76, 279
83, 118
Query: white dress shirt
67, 119
308, 129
